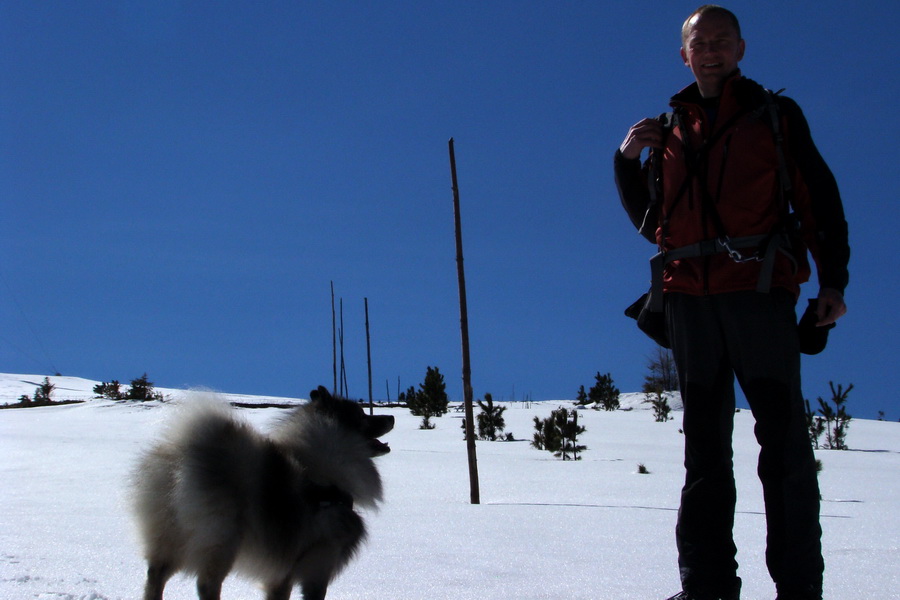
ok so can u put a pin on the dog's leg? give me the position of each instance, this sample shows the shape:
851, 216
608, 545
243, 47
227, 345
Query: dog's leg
280, 591
211, 576
315, 570
157, 576
209, 588
323, 561
314, 590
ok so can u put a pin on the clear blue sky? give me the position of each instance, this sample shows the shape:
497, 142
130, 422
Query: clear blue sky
181, 181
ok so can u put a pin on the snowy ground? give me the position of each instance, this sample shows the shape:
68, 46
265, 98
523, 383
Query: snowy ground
546, 529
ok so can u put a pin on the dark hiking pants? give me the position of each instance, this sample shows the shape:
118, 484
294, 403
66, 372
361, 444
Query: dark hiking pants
751, 336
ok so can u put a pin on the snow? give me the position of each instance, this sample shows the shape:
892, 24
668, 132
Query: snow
588, 530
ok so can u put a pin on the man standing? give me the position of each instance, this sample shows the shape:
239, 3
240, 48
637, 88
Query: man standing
735, 193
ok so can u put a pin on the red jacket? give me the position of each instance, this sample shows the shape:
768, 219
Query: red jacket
736, 180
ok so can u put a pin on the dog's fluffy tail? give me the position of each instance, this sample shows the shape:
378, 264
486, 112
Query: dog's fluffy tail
159, 498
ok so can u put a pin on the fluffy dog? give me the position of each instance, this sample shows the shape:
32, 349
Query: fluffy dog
216, 495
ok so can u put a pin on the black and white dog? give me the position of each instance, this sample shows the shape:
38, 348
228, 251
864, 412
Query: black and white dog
216, 495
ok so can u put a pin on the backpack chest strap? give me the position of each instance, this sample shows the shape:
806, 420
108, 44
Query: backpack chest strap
768, 245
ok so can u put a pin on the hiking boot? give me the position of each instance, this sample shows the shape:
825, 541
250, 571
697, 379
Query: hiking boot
723, 591
798, 596
809, 592
689, 596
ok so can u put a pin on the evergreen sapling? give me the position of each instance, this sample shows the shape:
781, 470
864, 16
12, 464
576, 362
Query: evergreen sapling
604, 393
490, 419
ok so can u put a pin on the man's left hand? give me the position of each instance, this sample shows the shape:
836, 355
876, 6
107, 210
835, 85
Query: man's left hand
831, 306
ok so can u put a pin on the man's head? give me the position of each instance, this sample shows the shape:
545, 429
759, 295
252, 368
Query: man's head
711, 46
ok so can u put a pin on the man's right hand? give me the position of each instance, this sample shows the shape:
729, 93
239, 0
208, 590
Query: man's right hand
644, 134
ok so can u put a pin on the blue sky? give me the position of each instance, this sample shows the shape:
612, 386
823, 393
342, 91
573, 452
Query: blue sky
182, 181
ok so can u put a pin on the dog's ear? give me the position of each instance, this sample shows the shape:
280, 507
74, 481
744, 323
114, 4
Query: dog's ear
320, 394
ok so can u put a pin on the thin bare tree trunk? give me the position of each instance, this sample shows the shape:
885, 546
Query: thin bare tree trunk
369, 357
474, 492
345, 391
333, 342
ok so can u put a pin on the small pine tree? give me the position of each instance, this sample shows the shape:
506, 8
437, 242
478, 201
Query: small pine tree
42, 392
547, 436
604, 393
430, 400
490, 419
559, 433
837, 419
111, 390
538, 441
142, 390
570, 430
661, 408
407, 396
417, 405
815, 425
581, 399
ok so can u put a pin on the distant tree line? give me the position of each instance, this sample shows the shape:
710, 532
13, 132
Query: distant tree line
42, 397
141, 390
559, 432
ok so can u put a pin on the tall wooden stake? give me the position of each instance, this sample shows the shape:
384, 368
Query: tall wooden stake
474, 493
369, 358
345, 391
334, 389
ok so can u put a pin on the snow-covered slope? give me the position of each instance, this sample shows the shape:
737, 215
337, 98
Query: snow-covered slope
588, 530
13, 386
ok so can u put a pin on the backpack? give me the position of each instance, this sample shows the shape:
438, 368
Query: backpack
648, 310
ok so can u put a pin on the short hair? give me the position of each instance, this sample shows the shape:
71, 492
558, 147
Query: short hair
707, 9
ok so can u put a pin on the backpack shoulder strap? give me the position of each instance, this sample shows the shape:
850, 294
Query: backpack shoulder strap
775, 121
654, 179
667, 120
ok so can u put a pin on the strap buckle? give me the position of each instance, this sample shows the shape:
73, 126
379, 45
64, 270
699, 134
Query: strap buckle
735, 254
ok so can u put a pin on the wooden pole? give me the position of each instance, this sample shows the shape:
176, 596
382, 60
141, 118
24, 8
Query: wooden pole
345, 392
369, 358
334, 389
474, 492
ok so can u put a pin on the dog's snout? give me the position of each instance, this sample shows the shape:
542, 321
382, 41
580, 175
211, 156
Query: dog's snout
381, 424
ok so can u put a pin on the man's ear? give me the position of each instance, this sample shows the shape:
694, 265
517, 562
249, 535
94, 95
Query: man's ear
684, 57
741, 47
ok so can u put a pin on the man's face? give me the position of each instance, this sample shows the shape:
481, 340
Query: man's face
712, 51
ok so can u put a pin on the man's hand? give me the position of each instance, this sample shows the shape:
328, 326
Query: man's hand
831, 306
645, 133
